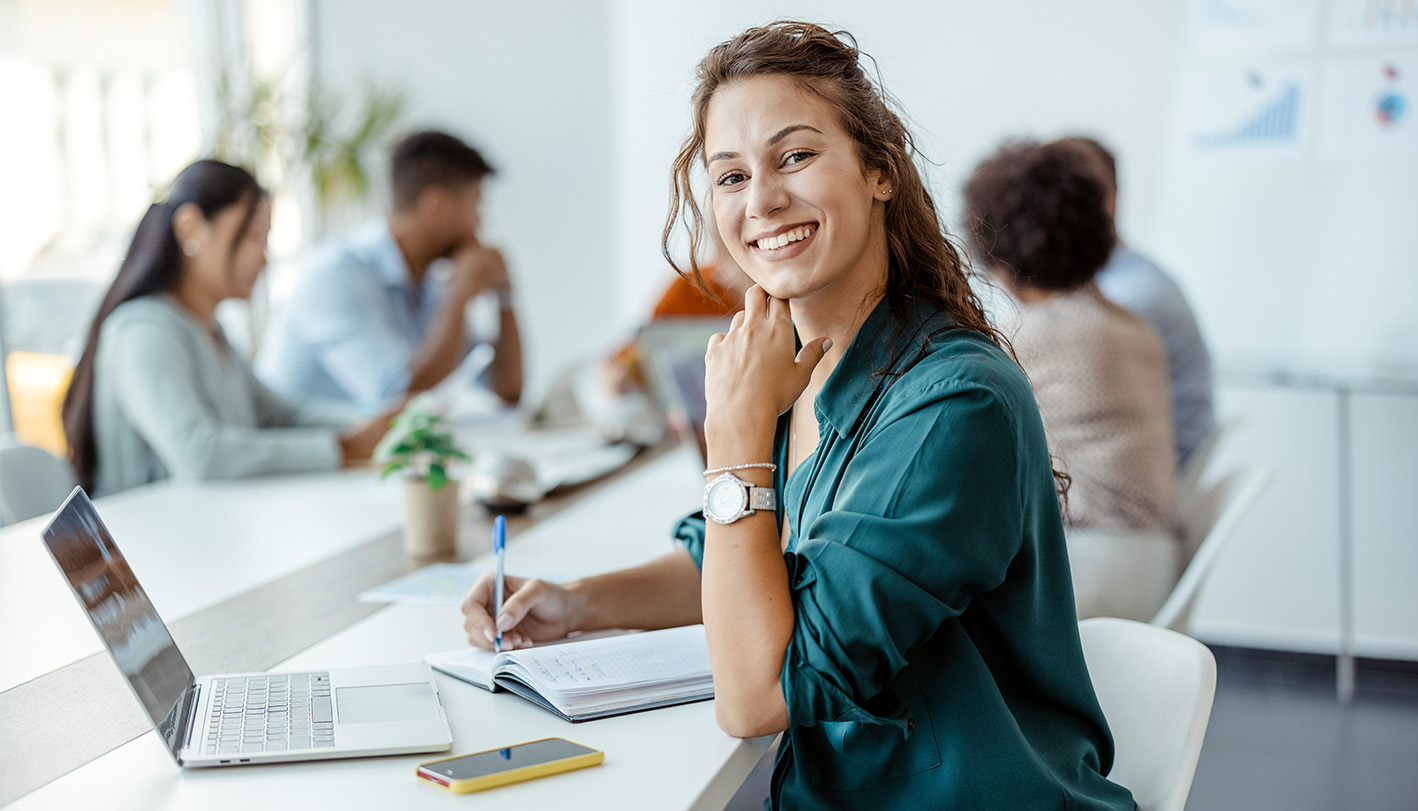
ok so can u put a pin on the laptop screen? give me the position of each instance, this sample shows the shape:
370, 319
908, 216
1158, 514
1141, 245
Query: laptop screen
122, 614
675, 348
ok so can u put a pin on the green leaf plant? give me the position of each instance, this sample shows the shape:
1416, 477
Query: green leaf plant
420, 444
262, 128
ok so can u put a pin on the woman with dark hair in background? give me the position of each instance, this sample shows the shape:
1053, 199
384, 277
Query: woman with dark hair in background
1038, 218
158, 391
883, 576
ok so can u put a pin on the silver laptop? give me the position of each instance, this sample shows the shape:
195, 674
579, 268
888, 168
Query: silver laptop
675, 348
241, 718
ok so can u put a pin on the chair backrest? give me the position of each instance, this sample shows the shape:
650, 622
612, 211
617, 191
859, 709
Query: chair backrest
33, 482
1189, 475
1209, 518
1155, 687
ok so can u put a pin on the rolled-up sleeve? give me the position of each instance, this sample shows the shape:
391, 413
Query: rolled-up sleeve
926, 516
689, 534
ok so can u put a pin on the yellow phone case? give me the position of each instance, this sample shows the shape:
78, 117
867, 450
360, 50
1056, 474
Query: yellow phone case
503, 778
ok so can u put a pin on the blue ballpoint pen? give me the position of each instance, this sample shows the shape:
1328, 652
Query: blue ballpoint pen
499, 548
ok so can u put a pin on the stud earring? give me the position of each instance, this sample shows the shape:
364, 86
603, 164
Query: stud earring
189, 248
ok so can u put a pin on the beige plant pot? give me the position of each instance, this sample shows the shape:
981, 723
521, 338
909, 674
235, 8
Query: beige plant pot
430, 520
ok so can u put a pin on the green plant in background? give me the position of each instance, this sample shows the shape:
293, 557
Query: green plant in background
420, 444
259, 128
338, 164
253, 130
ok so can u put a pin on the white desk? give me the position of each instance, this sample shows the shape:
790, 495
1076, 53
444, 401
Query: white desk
196, 544
192, 546
671, 758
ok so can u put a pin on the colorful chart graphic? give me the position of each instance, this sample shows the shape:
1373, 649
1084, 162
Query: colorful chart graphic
1366, 104
1389, 111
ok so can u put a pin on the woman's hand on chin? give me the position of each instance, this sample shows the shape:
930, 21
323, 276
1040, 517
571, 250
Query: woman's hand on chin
751, 372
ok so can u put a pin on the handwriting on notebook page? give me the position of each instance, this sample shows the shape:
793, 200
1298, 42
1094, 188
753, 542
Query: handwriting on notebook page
619, 661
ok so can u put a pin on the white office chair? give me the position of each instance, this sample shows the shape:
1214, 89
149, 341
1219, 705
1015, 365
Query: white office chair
1189, 476
32, 482
1209, 517
1155, 687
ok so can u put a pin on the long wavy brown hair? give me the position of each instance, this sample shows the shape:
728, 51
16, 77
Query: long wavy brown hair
925, 264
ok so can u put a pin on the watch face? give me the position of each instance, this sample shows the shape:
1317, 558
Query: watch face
725, 500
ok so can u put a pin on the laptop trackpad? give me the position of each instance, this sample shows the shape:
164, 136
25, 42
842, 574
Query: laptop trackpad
386, 702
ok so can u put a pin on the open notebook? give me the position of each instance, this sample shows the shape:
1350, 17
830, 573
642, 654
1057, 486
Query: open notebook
583, 679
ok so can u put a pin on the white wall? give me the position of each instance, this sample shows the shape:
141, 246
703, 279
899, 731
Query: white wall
1308, 258
530, 85
969, 74
1296, 262
583, 106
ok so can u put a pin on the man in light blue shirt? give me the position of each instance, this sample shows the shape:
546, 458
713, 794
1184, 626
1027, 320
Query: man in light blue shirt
1137, 283
380, 314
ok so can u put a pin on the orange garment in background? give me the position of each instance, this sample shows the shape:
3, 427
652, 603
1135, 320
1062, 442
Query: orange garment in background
684, 298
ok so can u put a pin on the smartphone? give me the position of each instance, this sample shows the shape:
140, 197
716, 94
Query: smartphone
511, 764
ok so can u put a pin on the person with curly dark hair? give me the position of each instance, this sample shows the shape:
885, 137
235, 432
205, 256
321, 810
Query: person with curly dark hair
1135, 281
1037, 219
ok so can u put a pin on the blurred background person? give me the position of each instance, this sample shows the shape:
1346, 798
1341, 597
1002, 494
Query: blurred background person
1137, 283
380, 314
1037, 218
159, 391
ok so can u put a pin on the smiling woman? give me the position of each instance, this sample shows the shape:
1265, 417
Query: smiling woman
923, 263
787, 181
880, 566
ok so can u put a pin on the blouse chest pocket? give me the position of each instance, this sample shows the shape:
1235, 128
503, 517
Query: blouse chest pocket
849, 755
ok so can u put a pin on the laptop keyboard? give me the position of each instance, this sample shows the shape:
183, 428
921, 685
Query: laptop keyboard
270, 713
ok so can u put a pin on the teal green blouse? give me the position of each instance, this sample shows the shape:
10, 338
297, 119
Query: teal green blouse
935, 660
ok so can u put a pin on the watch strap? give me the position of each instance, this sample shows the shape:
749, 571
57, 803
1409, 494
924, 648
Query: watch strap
762, 498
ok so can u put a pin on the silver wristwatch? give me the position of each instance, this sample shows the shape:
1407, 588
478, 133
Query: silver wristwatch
729, 498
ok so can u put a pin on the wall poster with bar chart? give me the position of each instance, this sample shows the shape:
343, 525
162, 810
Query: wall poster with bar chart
1250, 109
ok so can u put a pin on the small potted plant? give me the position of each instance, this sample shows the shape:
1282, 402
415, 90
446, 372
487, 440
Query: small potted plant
420, 445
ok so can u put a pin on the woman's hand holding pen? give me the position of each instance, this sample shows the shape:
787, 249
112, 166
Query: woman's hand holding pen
534, 611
